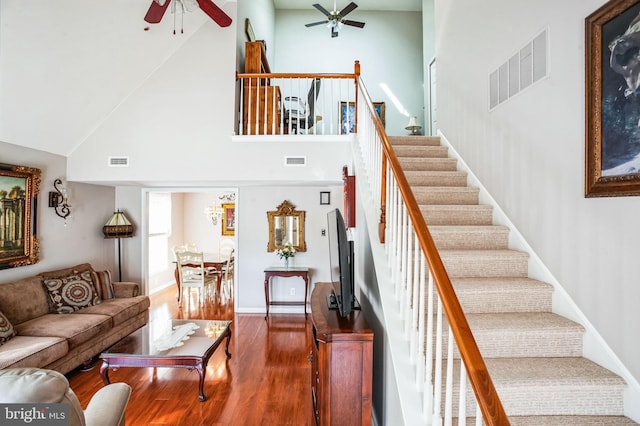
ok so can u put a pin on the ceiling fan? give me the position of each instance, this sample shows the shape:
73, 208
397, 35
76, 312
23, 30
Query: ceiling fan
335, 20
159, 7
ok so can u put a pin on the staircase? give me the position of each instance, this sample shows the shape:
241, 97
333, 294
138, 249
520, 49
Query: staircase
533, 355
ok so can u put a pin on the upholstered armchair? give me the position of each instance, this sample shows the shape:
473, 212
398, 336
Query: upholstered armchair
36, 385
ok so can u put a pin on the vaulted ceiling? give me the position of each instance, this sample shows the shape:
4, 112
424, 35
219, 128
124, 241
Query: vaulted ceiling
67, 65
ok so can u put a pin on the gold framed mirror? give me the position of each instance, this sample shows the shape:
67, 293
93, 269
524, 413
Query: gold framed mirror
286, 225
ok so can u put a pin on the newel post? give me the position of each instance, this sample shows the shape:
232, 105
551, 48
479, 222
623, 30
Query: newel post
382, 226
356, 72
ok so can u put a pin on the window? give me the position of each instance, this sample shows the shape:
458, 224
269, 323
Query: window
159, 231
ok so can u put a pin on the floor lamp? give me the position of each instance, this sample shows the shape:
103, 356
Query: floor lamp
118, 226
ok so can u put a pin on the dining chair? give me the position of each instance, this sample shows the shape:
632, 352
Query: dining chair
228, 270
193, 274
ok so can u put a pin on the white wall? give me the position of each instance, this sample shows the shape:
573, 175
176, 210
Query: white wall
389, 49
253, 236
529, 153
81, 240
261, 14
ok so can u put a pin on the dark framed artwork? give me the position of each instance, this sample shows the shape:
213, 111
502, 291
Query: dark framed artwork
229, 219
19, 188
612, 40
325, 198
348, 115
248, 30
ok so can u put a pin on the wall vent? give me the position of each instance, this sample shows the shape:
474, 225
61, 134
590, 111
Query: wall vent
118, 161
295, 161
527, 66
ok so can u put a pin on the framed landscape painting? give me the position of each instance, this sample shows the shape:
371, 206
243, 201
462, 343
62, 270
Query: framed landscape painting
612, 40
19, 187
348, 116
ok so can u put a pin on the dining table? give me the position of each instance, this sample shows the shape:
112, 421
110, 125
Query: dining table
212, 261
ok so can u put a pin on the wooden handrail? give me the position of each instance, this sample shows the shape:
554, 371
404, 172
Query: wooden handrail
483, 388
292, 75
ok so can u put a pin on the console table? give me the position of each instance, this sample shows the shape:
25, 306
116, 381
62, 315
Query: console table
276, 271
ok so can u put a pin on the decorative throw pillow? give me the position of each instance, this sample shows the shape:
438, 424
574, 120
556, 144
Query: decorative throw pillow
72, 293
104, 285
6, 329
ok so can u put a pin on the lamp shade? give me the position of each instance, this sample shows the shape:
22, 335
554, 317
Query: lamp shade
413, 124
118, 226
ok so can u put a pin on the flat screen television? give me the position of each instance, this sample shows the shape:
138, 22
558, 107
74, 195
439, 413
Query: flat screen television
341, 262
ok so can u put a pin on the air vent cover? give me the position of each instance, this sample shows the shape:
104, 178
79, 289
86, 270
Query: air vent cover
295, 161
521, 70
118, 161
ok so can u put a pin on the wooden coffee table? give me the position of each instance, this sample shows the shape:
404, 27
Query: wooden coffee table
174, 343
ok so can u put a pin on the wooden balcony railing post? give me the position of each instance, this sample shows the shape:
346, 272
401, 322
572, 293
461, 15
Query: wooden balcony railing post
356, 72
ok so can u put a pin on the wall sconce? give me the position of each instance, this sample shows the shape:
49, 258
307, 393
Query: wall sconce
413, 126
58, 199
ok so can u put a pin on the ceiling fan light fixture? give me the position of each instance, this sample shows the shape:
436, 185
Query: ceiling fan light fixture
335, 19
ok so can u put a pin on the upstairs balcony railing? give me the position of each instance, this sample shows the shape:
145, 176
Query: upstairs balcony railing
304, 104
439, 340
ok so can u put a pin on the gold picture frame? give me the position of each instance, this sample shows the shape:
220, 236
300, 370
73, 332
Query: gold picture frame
612, 133
19, 188
229, 219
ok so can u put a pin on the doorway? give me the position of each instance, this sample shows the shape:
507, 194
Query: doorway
205, 219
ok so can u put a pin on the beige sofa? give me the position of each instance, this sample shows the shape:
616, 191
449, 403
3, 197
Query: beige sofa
61, 319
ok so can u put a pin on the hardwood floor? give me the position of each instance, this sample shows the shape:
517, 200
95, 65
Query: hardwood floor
266, 381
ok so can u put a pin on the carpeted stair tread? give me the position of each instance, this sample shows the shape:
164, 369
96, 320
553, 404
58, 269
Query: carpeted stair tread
436, 178
522, 335
539, 334
561, 421
509, 294
421, 151
457, 214
470, 237
445, 195
568, 421
414, 140
485, 263
425, 163
551, 386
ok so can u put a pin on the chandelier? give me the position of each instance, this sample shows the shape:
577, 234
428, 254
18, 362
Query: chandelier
215, 212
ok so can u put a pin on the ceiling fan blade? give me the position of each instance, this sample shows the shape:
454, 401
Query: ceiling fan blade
313, 24
215, 13
353, 23
156, 12
348, 9
322, 9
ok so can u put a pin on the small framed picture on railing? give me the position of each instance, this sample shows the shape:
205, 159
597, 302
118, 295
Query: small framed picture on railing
348, 116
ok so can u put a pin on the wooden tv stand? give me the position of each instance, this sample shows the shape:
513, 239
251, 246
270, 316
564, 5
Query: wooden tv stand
341, 363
